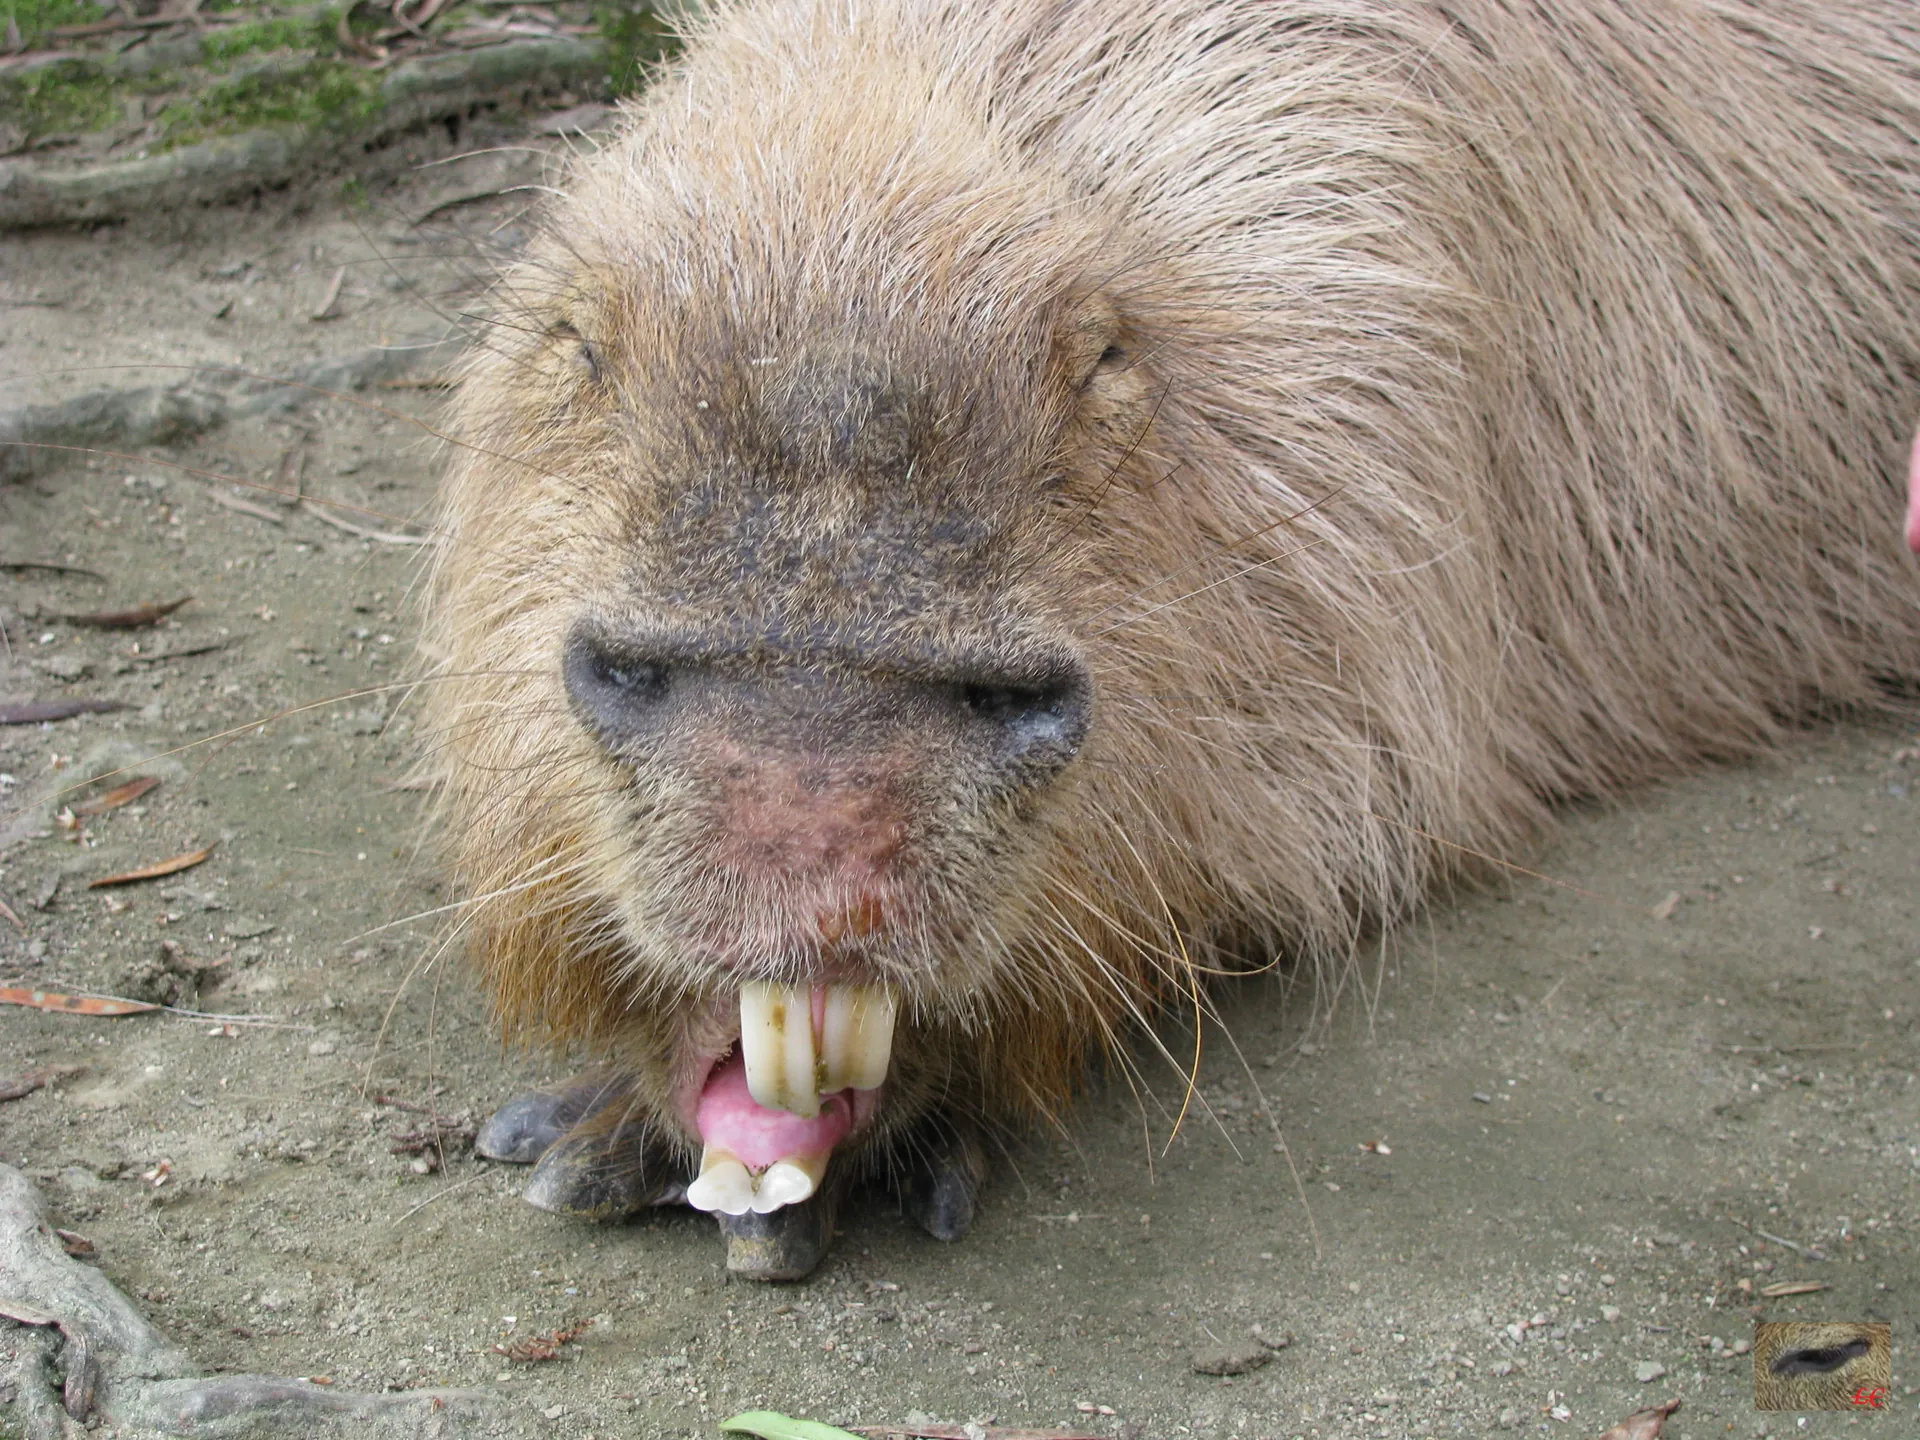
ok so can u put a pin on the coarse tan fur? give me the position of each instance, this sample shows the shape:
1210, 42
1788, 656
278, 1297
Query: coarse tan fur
1411, 412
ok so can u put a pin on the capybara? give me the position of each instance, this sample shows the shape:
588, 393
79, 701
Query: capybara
972, 514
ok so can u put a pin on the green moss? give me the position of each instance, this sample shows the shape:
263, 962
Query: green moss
273, 32
61, 99
36, 17
306, 91
636, 39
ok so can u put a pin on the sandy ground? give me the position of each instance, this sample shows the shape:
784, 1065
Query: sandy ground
1551, 1145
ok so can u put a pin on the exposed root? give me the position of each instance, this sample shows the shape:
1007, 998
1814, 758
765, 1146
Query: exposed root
79, 1349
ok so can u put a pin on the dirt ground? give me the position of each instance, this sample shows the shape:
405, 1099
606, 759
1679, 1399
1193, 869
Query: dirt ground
1536, 1172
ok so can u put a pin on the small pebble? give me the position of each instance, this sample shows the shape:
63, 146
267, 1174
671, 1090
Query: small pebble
1610, 1313
1648, 1371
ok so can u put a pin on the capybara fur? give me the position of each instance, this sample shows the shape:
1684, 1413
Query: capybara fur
1026, 503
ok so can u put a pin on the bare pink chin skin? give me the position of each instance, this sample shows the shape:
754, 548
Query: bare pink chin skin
728, 1117
1913, 498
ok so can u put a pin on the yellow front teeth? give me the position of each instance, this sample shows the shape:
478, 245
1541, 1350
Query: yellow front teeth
789, 1067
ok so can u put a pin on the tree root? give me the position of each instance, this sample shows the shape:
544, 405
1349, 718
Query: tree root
34, 192
78, 1349
36, 437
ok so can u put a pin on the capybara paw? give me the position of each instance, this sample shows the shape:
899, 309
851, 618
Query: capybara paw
523, 1129
944, 1186
607, 1166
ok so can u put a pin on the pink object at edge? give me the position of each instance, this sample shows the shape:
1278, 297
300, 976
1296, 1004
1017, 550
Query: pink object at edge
1913, 498
729, 1117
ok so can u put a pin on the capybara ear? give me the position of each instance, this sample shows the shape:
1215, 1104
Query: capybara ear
1090, 341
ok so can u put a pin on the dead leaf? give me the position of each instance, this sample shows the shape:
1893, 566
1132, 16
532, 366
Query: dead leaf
134, 619
72, 1004
246, 507
1642, 1424
1793, 1287
160, 657
36, 712
327, 310
6, 912
1664, 910
384, 537
170, 866
22, 1086
120, 795
33, 567
537, 1348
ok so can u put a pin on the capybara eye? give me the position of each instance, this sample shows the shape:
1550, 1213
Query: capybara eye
1819, 1360
584, 355
1111, 358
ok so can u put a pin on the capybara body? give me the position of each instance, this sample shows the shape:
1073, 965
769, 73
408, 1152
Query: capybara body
1012, 504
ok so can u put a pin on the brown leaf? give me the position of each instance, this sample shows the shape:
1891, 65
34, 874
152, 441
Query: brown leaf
23, 1085
134, 619
1793, 1287
34, 712
537, 1348
170, 866
72, 1004
37, 567
120, 795
1642, 1424
6, 913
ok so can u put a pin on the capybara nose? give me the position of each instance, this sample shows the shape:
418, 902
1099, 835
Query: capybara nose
623, 691
1032, 719
1018, 721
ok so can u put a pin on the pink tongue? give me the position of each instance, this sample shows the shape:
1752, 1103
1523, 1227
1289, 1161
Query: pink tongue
729, 1117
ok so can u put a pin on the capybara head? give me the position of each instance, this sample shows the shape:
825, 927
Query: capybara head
777, 546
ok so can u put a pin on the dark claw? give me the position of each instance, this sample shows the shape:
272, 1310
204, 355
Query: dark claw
787, 1243
942, 1193
607, 1166
523, 1129
588, 1176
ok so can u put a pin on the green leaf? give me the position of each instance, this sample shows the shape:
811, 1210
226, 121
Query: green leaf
771, 1425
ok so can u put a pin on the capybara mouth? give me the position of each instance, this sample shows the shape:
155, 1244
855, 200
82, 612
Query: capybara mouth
804, 1074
